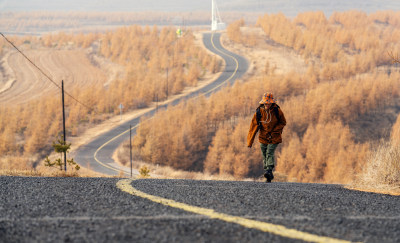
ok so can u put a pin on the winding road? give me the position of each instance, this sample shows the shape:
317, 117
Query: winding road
97, 155
124, 210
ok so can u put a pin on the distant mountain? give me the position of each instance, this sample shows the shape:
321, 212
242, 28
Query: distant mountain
288, 7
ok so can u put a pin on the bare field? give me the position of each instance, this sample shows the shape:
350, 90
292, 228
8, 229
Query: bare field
22, 82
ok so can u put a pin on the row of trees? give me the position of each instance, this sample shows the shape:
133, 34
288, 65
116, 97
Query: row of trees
210, 135
233, 31
236, 35
157, 63
312, 33
319, 143
343, 50
345, 47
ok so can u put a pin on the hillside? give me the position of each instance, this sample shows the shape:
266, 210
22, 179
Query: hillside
134, 66
72, 66
349, 77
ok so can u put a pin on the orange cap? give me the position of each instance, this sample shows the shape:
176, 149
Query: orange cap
268, 98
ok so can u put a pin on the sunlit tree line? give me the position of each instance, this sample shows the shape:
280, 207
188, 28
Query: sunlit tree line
347, 43
210, 135
158, 63
319, 143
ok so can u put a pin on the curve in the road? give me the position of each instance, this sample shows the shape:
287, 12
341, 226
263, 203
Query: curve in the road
97, 155
95, 210
125, 185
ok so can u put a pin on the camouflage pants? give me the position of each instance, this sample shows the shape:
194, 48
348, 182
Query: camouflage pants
268, 153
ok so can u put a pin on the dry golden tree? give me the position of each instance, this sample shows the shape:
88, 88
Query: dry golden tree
395, 57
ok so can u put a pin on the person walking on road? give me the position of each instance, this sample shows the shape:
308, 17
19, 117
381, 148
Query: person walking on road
269, 121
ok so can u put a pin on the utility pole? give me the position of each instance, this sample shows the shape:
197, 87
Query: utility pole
130, 145
63, 111
173, 57
120, 111
156, 102
167, 85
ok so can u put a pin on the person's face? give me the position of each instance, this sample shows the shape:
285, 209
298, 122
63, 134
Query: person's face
267, 105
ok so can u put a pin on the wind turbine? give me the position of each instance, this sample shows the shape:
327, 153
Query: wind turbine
216, 22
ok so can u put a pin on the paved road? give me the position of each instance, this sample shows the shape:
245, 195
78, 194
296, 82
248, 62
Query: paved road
97, 154
96, 210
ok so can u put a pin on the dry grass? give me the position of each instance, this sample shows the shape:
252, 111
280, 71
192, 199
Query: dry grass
121, 174
29, 173
42, 171
382, 171
121, 157
166, 172
36, 173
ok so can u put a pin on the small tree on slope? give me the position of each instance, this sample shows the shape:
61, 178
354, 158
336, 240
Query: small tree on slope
61, 147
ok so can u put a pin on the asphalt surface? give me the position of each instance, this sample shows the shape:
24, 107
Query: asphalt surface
99, 158
95, 210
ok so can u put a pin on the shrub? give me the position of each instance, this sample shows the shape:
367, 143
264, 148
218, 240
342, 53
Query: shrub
144, 171
383, 166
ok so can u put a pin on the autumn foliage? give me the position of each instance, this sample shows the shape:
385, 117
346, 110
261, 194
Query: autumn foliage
349, 76
347, 43
157, 63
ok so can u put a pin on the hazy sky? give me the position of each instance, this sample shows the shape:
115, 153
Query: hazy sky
288, 7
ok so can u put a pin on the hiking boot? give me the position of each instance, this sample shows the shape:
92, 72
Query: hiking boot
269, 176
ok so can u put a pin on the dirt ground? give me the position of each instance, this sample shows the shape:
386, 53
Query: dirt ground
22, 82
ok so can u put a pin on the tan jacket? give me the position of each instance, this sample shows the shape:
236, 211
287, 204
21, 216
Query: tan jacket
271, 127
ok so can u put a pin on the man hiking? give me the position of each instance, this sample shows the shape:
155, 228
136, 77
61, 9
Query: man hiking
269, 121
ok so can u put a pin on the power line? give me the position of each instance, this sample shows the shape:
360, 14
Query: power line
51, 80
47, 76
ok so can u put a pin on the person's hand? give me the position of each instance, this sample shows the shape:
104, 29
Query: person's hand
249, 146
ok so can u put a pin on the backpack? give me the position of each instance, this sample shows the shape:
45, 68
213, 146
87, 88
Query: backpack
258, 115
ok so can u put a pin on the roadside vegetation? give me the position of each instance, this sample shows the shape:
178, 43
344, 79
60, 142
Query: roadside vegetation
45, 172
337, 111
340, 111
157, 63
382, 169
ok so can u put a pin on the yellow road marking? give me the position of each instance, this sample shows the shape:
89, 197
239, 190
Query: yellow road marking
125, 185
109, 141
112, 139
105, 144
234, 72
